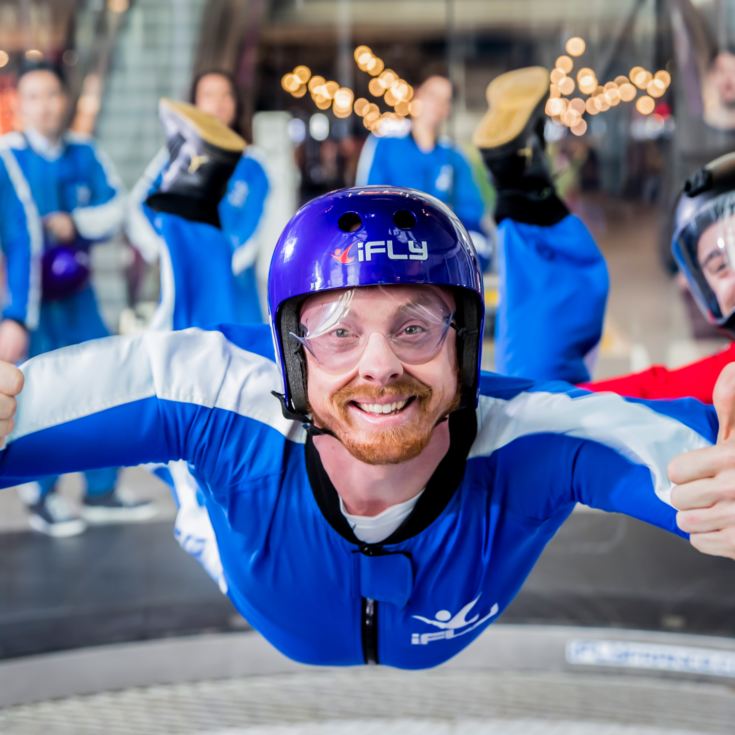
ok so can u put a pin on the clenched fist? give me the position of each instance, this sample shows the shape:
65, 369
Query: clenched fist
11, 383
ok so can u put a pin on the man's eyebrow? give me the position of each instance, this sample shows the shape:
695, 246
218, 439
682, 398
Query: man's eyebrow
411, 307
711, 255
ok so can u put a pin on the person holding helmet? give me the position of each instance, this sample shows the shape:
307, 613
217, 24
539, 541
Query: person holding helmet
239, 215
382, 506
703, 245
72, 199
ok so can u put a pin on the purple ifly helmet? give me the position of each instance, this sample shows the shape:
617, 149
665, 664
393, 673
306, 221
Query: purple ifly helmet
372, 236
64, 271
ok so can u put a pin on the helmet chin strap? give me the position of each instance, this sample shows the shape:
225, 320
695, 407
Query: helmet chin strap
302, 417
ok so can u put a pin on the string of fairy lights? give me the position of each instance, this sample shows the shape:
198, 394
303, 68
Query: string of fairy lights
396, 93
598, 97
563, 106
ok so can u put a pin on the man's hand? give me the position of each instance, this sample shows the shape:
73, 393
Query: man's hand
61, 226
705, 480
11, 383
13, 341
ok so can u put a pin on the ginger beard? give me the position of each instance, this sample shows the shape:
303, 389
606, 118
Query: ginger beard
391, 445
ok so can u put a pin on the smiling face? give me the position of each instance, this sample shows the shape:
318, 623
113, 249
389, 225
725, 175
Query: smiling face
714, 256
381, 407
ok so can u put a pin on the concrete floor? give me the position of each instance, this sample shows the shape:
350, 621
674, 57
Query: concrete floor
647, 322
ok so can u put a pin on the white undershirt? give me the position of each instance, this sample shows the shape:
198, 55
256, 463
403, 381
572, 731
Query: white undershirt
373, 529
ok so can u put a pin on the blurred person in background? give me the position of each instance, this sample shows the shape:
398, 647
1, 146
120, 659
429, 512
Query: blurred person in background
77, 200
553, 279
240, 213
718, 90
703, 246
422, 159
21, 243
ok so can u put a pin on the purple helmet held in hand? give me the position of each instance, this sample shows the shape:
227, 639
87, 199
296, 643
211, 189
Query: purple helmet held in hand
372, 236
64, 272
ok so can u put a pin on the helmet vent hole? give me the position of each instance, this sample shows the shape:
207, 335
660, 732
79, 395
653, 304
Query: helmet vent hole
349, 222
404, 219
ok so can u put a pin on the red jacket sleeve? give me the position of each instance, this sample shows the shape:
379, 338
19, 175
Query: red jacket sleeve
695, 380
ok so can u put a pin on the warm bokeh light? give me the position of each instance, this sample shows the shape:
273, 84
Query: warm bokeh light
663, 76
361, 51
314, 82
375, 66
577, 104
556, 76
303, 73
360, 106
642, 78
575, 46
656, 88
4, 58
33, 54
564, 63
645, 105
556, 106
376, 88
580, 128
627, 92
403, 108
566, 85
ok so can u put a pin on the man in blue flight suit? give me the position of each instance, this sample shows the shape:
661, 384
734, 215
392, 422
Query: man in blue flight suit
76, 201
388, 503
423, 160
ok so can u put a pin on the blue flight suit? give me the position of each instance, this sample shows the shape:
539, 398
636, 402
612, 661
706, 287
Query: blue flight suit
292, 565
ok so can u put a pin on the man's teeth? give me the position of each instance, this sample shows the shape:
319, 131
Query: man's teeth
382, 407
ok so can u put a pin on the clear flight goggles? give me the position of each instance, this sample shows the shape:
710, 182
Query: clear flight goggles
705, 251
337, 332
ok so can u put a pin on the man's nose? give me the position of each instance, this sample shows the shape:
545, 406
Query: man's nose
378, 362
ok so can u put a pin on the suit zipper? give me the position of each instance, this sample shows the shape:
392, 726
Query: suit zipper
370, 630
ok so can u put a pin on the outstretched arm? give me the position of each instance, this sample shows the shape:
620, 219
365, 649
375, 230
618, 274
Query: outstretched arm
119, 401
695, 380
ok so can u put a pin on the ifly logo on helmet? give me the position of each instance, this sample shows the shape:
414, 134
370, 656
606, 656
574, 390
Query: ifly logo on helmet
368, 251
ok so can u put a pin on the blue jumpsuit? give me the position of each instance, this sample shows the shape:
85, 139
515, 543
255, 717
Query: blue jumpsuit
21, 242
553, 291
442, 172
183, 271
78, 180
292, 566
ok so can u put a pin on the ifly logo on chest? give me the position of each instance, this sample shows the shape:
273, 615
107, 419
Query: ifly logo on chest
370, 250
